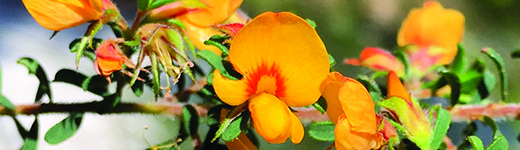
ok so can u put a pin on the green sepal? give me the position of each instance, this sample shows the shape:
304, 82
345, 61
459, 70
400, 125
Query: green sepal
215, 61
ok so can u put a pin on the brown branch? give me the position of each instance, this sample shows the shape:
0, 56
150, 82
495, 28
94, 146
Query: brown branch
477, 112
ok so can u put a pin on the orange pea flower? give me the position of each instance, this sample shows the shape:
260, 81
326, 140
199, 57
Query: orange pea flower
283, 67
377, 59
408, 112
351, 108
435, 31
110, 58
57, 15
199, 20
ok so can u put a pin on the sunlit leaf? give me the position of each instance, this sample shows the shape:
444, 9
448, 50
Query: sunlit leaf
399, 54
499, 62
322, 131
159, 3
476, 142
64, 129
143, 4
312, 23
498, 143
6, 103
457, 65
442, 123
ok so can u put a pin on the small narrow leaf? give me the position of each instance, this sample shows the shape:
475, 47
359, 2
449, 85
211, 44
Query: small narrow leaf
442, 123
319, 108
224, 49
322, 131
332, 62
54, 34
476, 142
190, 119
35, 68
6, 103
499, 62
30, 144
455, 85
499, 143
399, 54
64, 129
457, 65
159, 3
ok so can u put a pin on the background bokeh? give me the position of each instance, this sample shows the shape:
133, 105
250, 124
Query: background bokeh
345, 26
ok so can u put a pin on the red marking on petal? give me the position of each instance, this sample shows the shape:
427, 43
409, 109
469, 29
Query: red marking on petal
230, 29
263, 70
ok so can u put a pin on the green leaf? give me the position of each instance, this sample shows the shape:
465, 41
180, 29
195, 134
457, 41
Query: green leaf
209, 78
138, 88
6, 103
476, 142
499, 62
224, 49
515, 54
442, 124
499, 143
30, 144
457, 65
318, 107
64, 129
322, 131
155, 73
399, 54
494, 127
159, 3
35, 68
96, 84
190, 119
455, 85
332, 62
486, 84
215, 61
235, 114
233, 130
143, 4
312, 23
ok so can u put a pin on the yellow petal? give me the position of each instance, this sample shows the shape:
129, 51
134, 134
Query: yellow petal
198, 35
230, 91
348, 139
284, 46
297, 131
242, 142
216, 11
333, 83
396, 88
358, 106
59, 15
433, 26
271, 118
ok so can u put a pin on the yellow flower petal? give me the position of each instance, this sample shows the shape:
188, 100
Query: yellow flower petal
333, 83
358, 106
287, 48
433, 26
297, 131
348, 139
230, 91
59, 15
242, 142
271, 118
396, 88
216, 11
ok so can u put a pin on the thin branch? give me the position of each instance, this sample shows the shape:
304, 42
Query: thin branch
477, 112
